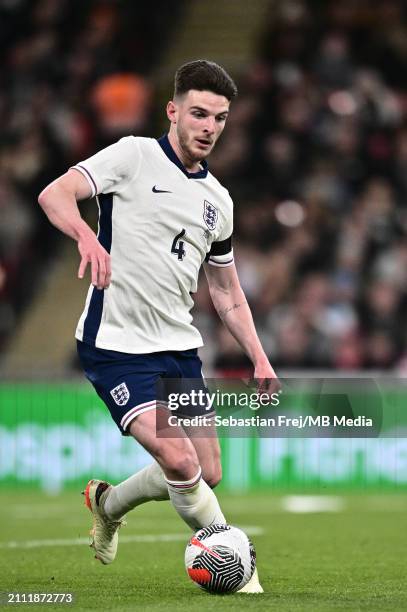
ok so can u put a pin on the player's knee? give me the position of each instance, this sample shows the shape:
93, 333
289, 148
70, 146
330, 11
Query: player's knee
185, 468
179, 461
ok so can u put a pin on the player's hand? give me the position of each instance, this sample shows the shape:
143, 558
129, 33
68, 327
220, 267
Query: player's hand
266, 379
93, 253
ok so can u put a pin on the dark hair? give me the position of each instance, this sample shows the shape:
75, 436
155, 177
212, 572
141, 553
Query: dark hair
204, 75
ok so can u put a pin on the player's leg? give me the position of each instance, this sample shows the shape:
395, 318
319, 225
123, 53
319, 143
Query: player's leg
149, 484
206, 444
127, 385
207, 448
205, 440
187, 366
191, 497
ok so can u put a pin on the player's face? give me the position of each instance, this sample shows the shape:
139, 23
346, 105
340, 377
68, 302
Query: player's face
198, 118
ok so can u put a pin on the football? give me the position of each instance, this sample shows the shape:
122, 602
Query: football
220, 559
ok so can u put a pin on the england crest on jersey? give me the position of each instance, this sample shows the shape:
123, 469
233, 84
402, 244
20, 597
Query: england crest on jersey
210, 215
120, 394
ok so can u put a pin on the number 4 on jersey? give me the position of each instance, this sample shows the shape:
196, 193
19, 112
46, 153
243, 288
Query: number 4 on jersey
178, 249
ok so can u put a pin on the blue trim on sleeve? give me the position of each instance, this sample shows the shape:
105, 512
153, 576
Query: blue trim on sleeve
89, 175
172, 156
95, 310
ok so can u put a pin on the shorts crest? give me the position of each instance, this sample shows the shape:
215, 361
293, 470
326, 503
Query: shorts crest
210, 215
120, 394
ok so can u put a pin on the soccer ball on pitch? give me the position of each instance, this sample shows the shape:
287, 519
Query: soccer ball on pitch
220, 559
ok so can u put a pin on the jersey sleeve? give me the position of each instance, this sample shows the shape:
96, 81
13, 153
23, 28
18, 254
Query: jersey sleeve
221, 253
113, 167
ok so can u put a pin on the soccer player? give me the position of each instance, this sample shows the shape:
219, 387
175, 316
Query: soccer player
162, 215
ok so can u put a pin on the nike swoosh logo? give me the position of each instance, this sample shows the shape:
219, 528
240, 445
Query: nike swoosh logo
155, 190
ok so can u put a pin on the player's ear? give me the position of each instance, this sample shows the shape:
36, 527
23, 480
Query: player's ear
172, 111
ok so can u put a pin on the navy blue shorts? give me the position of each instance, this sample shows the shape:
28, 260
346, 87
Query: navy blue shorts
132, 384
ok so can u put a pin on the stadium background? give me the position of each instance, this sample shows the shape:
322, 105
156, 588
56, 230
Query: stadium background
314, 155
315, 158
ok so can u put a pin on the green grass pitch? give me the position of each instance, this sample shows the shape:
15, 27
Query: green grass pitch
352, 560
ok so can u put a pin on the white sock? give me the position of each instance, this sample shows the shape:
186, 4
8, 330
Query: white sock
146, 485
195, 502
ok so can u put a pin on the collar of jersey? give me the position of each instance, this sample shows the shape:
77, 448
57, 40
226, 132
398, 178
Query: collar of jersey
170, 153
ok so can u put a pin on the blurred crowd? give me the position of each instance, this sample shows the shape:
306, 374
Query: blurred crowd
314, 155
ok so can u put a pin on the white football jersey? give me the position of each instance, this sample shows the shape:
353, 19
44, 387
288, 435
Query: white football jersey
159, 223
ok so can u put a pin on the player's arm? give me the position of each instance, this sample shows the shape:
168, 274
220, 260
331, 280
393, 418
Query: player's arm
59, 202
231, 305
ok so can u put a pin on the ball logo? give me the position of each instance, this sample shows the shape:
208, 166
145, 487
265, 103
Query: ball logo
120, 394
210, 215
196, 542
